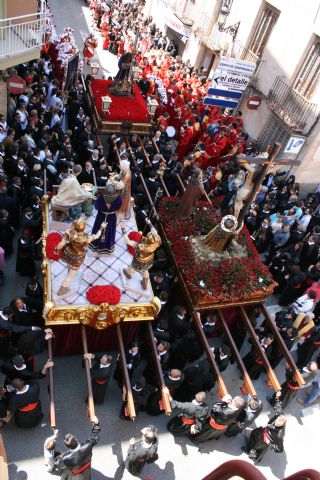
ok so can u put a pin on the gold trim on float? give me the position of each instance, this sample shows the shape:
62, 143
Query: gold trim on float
96, 316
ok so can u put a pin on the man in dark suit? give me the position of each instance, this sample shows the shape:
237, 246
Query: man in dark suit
76, 462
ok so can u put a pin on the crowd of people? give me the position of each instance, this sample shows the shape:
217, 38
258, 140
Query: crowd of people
45, 135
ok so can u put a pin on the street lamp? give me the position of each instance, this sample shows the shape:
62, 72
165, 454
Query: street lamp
224, 12
152, 105
135, 73
106, 103
95, 67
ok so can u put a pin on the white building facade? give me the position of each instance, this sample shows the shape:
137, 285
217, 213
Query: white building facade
283, 38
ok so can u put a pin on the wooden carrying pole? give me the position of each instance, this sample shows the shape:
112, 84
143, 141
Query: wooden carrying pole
51, 388
87, 363
247, 383
297, 375
164, 389
126, 379
271, 375
198, 325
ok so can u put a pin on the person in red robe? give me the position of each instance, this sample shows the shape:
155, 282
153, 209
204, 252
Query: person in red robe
106, 40
186, 141
90, 44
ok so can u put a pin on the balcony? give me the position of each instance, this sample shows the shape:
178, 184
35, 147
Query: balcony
21, 38
293, 109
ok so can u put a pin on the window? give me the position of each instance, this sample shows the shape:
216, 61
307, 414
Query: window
266, 22
308, 77
273, 131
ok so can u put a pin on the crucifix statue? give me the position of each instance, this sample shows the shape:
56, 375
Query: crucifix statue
123, 82
217, 239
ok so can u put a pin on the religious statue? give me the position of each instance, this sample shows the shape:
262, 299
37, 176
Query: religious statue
144, 254
246, 188
191, 195
71, 194
107, 205
123, 81
74, 245
125, 177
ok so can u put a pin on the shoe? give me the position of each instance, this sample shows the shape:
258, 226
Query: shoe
252, 454
127, 274
270, 400
244, 449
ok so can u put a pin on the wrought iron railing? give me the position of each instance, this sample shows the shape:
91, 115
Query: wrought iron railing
21, 34
293, 109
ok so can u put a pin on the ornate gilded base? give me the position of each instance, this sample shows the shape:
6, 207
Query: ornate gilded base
100, 316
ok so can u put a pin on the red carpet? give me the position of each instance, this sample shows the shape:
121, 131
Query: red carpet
122, 108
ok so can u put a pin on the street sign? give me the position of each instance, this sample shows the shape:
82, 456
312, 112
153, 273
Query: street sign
220, 102
219, 92
16, 84
229, 80
294, 145
235, 65
253, 102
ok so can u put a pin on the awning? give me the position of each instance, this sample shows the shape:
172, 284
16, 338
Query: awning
176, 24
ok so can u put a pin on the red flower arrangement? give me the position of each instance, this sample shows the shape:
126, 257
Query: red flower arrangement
52, 241
103, 294
228, 281
134, 237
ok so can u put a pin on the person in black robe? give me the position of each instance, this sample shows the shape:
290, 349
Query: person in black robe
6, 329
75, 464
222, 356
272, 435
309, 253
142, 451
140, 393
246, 417
193, 415
309, 347
25, 256
22, 313
253, 362
198, 377
100, 375
34, 294
161, 332
24, 403
178, 322
17, 368
173, 380
133, 358
289, 389
293, 287
6, 233
222, 414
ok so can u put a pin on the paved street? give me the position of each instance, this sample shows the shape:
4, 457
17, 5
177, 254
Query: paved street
178, 458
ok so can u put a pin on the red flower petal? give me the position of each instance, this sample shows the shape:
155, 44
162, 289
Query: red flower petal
52, 241
104, 294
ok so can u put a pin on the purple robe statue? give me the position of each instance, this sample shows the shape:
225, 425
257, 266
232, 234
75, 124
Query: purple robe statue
105, 244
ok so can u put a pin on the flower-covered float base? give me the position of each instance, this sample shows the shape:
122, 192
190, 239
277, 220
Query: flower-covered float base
213, 280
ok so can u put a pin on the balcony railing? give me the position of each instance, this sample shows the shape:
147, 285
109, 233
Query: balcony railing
19, 35
293, 109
